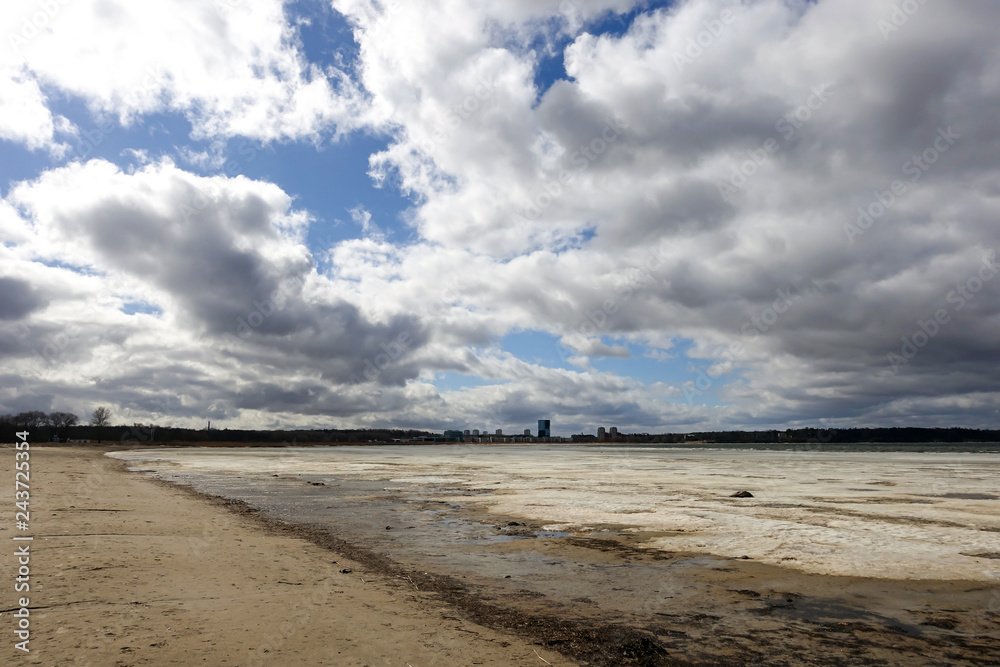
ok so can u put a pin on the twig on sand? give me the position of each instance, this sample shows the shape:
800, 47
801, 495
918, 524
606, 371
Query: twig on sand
541, 658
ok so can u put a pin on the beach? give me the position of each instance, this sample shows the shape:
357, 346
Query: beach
461, 555
128, 571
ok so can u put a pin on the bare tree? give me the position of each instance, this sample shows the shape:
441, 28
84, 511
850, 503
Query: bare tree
30, 420
62, 421
100, 419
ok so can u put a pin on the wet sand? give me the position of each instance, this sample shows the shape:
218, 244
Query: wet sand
886, 515
602, 596
126, 570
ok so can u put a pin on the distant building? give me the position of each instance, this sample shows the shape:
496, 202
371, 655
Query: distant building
602, 433
466, 433
614, 431
475, 432
527, 433
499, 431
454, 436
543, 429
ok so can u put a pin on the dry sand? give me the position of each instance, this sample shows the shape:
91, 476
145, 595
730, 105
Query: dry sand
128, 571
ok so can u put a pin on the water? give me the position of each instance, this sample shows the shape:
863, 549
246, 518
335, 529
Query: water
923, 511
893, 556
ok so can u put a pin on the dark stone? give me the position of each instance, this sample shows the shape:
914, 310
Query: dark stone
742, 494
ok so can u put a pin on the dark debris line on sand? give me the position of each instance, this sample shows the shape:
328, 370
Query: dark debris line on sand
598, 644
602, 644
696, 637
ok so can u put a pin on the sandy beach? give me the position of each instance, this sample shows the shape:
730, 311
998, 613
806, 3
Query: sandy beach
417, 567
128, 571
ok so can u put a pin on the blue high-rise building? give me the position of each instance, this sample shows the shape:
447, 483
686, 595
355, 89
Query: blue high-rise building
543, 429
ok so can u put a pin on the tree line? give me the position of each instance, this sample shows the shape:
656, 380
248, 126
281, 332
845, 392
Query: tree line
63, 426
51, 425
45, 427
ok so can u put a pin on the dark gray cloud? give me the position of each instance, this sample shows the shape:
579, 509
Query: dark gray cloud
18, 299
219, 260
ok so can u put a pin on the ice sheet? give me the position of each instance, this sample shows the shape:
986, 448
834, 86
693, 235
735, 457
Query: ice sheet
901, 515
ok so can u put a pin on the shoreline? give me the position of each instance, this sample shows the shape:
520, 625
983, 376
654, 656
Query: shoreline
603, 644
125, 572
134, 443
591, 643
588, 595
128, 623
864, 514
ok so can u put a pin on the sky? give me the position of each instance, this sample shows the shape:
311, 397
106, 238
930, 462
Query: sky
661, 216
